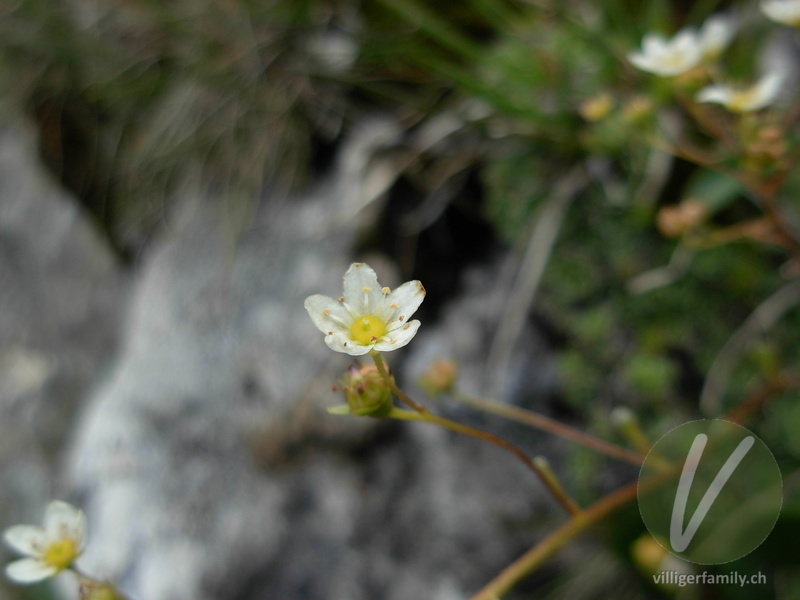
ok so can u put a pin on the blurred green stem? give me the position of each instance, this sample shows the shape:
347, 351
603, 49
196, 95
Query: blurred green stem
421, 413
547, 478
549, 425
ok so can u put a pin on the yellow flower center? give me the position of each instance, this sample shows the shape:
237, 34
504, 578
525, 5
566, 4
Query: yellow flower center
61, 553
367, 329
740, 100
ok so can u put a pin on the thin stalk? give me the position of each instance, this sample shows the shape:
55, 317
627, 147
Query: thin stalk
552, 486
537, 555
549, 425
389, 379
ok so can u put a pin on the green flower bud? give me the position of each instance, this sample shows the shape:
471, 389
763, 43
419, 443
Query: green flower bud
98, 590
366, 392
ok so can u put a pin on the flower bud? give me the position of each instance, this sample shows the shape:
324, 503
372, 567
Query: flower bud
366, 392
637, 109
597, 107
674, 221
98, 590
648, 554
440, 377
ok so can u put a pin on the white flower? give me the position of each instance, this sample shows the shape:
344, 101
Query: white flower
367, 316
782, 11
51, 548
668, 57
740, 100
715, 35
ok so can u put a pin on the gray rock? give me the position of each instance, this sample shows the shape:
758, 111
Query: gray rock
204, 458
60, 292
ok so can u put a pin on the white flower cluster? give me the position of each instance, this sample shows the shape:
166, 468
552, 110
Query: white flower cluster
685, 51
690, 48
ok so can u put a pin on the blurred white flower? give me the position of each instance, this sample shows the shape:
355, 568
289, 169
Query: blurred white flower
367, 316
715, 35
668, 57
51, 548
782, 11
737, 99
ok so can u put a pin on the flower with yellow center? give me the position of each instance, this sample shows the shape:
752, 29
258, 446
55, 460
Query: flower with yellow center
51, 548
367, 316
741, 100
668, 57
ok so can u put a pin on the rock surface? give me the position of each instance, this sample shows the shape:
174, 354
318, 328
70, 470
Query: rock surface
203, 456
61, 293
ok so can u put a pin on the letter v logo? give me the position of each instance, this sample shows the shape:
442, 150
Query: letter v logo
679, 538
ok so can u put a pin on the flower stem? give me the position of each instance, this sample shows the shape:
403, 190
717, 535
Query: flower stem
549, 425
380, 363
534, 557
547, 479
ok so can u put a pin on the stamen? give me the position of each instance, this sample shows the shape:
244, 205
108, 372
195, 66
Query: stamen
386, 290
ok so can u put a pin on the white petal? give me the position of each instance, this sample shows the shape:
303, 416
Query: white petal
29, 570
782, 11
397, 338
340, 342
653, 43
685, 41
406, 299
640, 61
716, 34
766, 90
714, 93
361, 289
62, 520
328, 314
26, 539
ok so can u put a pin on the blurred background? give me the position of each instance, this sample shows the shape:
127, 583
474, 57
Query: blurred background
176, 177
